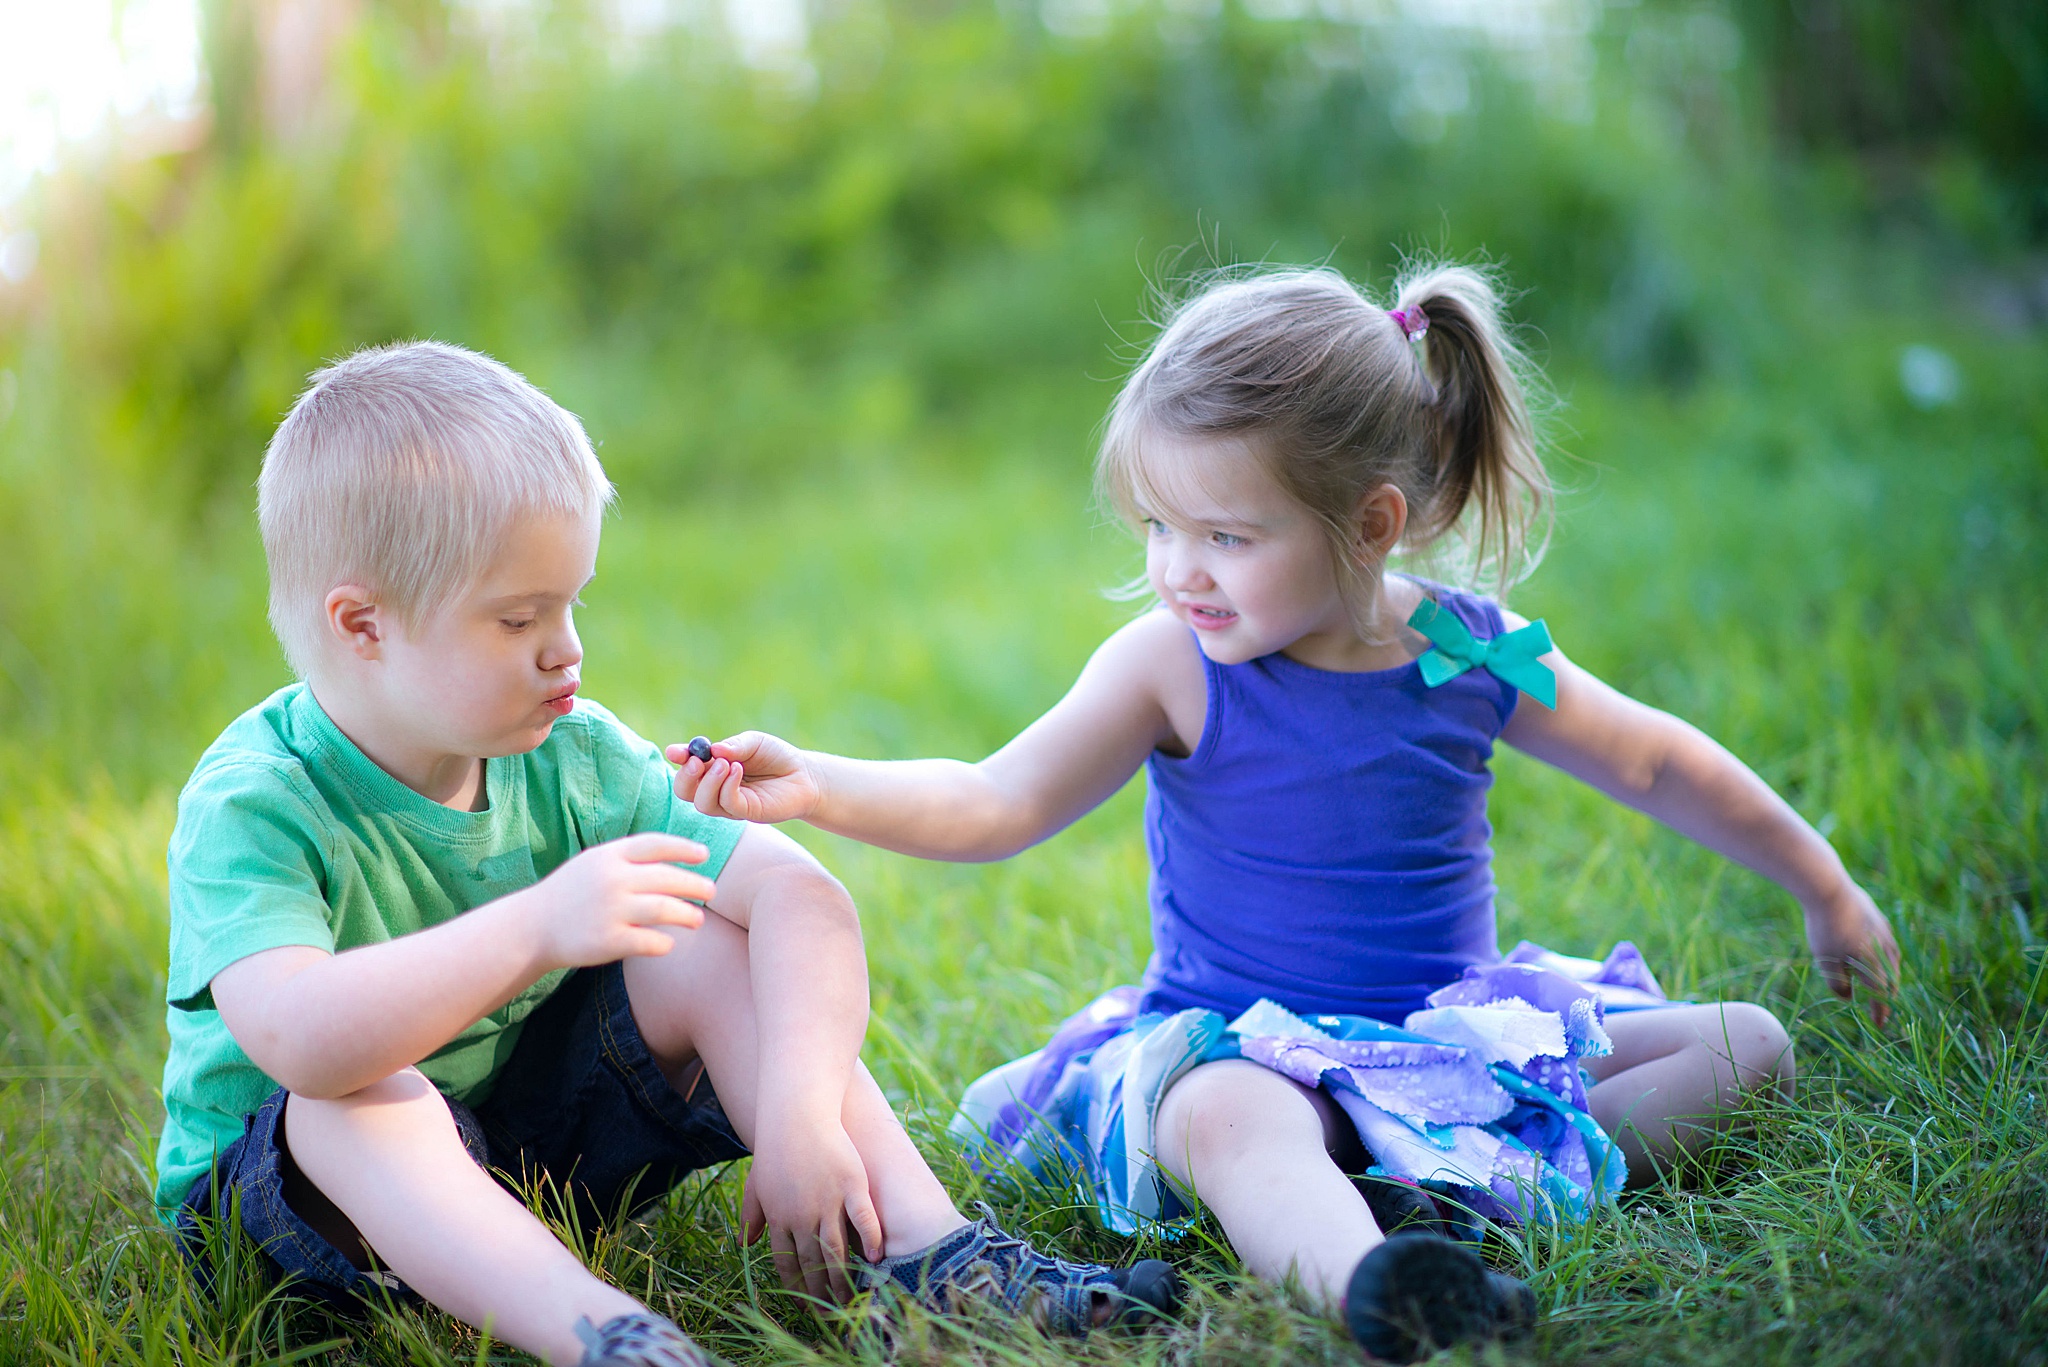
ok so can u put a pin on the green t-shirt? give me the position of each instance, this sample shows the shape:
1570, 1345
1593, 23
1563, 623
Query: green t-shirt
288, 834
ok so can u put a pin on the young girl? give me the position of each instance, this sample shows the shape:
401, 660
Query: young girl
1316, 730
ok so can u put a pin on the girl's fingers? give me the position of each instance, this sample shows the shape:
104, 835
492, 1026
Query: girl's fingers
707, 788
729, 796
689, 773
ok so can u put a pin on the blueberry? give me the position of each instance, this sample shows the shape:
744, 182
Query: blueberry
701, 748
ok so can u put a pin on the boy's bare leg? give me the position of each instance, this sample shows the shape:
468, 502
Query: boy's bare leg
1256, 1147
1677, 1074
390, 1158
696, 1003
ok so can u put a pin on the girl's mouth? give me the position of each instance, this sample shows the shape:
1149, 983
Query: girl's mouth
1209, 619
562, 703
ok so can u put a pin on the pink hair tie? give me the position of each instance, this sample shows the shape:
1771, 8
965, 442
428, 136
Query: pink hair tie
1413, 322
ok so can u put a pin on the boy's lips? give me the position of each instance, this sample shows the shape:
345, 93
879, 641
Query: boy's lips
561, 703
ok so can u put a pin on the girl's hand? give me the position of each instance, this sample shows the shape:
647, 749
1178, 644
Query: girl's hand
1852, 943
752, 777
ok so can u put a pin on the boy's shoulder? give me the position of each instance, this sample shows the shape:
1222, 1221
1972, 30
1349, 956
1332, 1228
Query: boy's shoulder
265, 747
253, 783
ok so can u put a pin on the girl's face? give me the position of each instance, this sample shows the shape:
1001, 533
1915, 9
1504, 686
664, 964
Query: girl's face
1239, 560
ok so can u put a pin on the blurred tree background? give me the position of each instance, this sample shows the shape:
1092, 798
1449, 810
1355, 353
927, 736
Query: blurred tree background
924, 233
841, 288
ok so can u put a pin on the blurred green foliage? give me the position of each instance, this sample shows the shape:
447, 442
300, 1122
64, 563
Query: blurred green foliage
1916, 84
909, 249
942, 211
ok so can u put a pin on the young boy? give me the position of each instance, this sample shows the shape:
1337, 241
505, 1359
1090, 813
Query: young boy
438, 923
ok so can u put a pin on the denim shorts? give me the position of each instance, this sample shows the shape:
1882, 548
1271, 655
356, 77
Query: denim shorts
580, 1104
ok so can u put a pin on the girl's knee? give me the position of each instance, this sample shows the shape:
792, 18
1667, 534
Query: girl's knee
1757, 1043
1219, 1104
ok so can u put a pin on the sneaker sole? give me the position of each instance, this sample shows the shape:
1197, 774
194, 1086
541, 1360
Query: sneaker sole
1417, 1293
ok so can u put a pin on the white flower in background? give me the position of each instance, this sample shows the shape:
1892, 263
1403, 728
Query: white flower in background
1930, 377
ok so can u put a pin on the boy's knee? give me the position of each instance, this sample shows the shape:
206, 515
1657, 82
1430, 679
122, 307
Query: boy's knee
403, 1099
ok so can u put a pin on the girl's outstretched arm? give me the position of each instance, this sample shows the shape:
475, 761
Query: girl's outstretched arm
1057, 769
1674, 772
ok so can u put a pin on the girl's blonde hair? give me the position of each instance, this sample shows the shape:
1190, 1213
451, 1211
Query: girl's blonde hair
1325, 385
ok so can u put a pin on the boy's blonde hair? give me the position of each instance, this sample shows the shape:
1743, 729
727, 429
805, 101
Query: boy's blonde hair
1326, 386
401, 469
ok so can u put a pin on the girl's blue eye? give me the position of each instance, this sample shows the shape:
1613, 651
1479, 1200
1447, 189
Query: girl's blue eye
512, 625
1226, 540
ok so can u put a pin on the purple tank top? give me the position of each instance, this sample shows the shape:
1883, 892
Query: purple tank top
1326, 845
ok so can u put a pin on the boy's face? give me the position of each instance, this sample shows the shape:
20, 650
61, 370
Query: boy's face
491, 672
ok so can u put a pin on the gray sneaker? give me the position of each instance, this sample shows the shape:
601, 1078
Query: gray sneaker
982, 1265
640, 1339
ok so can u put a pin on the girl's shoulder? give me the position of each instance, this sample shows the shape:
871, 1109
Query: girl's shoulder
1157, 654
1483, 616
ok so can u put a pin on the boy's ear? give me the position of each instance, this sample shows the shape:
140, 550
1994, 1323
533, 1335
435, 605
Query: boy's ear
355, 620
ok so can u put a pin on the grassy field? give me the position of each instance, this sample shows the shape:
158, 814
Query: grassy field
843, 354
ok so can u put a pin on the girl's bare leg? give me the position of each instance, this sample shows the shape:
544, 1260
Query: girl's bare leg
696, 1003
1257, 1148
390, 1158
1677, 1074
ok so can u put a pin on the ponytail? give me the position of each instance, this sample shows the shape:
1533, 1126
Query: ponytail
1489, 484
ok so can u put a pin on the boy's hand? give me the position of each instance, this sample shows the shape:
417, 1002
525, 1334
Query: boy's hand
1852, 943
609, 901
753, 777
806, 1188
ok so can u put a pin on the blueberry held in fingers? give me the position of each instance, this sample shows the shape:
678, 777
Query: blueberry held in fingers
700, 748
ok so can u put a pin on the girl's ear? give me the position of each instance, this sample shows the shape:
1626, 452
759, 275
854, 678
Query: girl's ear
1379, 521
355, 620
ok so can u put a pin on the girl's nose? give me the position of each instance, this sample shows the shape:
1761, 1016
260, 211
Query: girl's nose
1185, 572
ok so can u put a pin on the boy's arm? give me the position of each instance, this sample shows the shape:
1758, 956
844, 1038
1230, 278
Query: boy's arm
808, 972
1670, 770
325, 1025
1057, 769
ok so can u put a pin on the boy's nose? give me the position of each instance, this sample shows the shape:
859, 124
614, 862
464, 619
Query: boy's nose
564, 652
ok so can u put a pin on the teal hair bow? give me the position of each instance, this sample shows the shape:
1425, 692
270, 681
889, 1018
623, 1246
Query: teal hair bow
1514, 657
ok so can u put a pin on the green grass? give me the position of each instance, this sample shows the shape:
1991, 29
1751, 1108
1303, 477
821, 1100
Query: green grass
1846, 591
